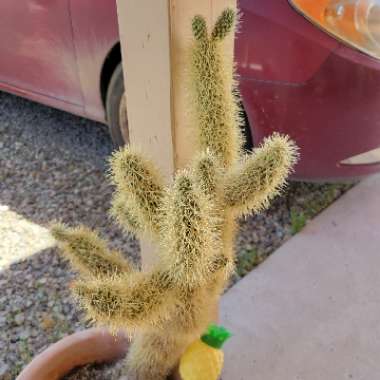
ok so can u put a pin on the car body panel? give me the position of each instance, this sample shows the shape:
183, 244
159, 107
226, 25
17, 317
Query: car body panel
43, 99
275, 44
294, 78
96, 32
37, 50
331, 109
331, 119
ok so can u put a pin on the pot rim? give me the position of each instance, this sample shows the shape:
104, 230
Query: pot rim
95, 345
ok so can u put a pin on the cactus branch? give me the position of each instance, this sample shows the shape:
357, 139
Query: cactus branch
133, 301
199, 28
88, 253
122, 212
211, 87
188, 232
224, 24
139, 181
207, 173
261, 176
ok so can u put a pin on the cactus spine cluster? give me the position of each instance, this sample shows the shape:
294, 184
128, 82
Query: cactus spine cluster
193, 220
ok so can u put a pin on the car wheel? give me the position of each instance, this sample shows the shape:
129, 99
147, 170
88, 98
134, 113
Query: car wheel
246, 131
116, 108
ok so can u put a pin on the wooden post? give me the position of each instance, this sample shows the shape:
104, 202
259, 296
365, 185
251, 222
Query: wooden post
154, 35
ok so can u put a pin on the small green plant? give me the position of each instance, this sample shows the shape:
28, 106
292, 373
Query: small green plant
193, 220
298, 221
246, 261
315, 198
330, 193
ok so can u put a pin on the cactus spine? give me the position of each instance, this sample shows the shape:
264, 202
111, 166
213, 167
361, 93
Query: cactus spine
192, 220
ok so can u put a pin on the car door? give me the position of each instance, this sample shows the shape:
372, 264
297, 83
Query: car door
37, 53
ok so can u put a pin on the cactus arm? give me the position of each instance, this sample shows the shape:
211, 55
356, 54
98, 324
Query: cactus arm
261, 176
199, 28
189, 233
207, 174
122, 212
138, 179
88, 253
134, 301
211, 85
224, 24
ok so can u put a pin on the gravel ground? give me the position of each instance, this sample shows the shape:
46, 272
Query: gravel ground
52, 166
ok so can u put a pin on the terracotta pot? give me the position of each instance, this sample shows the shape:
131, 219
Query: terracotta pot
90, 346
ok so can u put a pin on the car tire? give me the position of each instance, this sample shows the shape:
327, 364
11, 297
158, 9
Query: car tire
246, 131
116, 108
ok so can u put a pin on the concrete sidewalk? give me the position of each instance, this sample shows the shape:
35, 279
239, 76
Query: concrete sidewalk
312, 310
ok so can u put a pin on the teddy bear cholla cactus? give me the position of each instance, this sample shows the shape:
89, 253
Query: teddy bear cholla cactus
193, 220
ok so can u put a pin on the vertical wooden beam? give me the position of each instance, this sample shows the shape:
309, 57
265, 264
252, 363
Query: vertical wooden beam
145, 46
154, 36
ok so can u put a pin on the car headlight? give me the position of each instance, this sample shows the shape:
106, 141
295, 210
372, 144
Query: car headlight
355, 22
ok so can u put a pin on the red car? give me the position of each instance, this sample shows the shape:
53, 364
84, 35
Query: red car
308, 68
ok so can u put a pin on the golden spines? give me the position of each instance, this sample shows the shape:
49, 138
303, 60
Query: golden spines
88, 253
142, 186
211, 88
189, 233
134, 301
252, 184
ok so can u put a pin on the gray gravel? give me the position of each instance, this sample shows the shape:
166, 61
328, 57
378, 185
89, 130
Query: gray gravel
52, 166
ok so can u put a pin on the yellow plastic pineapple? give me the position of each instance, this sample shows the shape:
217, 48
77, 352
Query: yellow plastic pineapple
203, 359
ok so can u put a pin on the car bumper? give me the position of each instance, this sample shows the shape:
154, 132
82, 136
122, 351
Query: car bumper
333, 116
